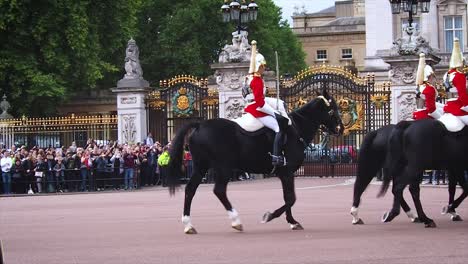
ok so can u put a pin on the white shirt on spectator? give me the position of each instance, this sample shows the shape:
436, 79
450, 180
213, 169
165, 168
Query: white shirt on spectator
6, 164
149, 141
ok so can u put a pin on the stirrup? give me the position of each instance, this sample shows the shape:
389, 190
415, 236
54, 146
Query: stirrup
278, 160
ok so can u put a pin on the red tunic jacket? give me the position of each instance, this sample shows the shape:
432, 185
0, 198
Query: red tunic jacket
458, 80
257, 87
430, 94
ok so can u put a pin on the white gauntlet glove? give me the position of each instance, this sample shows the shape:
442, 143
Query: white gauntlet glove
267, 109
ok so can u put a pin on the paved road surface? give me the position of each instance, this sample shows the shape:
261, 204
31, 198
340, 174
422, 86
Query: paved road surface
144, 227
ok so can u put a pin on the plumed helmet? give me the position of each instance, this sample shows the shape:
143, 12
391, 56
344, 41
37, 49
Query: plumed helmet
456, 60
256, 59
424, 70
420, 71
428, 71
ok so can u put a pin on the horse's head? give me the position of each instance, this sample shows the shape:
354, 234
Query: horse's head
329, 114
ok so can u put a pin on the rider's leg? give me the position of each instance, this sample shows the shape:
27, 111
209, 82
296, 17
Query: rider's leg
272, 123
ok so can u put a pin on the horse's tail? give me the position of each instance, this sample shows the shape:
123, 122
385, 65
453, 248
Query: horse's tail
174, 171
394, 155
369, 163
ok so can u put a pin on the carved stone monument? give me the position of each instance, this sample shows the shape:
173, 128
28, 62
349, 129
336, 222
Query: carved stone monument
131, 92
403, 58
5, 105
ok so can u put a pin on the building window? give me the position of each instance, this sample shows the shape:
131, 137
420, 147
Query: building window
453, 27
322, 55
346, 53
405, 24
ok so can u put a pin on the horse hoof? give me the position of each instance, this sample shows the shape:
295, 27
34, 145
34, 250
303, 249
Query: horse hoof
267, 217
430, 224
388, 217
190, 231
238, 227
416, 220
456, 218
358, 222
296, 226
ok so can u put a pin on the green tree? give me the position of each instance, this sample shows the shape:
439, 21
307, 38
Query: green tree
185, 37
51, 49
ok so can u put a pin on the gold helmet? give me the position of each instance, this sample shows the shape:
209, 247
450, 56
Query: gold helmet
256, 59
456, 60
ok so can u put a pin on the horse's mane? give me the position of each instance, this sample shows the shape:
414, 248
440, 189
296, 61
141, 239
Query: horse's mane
301, 112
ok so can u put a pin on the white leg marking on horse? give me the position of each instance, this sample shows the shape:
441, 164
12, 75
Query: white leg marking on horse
354, 213
186, 220
454, 215
411, 215
234, 216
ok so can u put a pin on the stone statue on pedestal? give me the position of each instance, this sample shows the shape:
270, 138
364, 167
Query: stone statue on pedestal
133, 73
5, 105
132, 61
238, 51
412, 43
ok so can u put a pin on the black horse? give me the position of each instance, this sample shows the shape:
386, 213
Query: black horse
223, 146
372, 160
415, 146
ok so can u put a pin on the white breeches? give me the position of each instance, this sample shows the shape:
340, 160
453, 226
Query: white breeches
270, 122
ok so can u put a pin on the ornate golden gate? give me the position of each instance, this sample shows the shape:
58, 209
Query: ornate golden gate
364, 106
177, 101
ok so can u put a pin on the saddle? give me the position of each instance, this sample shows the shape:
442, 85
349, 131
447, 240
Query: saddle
251, 124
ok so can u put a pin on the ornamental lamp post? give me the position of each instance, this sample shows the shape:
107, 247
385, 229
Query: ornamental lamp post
410, 6
240, 13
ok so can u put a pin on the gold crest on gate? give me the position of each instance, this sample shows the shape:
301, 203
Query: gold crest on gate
351, 114
183, 100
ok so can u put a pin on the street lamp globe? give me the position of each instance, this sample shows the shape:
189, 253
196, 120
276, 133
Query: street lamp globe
406, 5
226, 11
414, 7
244, 12
253, 10
396, 6
235, 10
425, 5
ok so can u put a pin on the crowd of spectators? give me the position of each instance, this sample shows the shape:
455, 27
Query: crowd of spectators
93, 167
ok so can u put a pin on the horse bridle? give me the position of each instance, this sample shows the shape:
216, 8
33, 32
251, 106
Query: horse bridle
323, 128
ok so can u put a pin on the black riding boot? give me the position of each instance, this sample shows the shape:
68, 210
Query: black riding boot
277, 159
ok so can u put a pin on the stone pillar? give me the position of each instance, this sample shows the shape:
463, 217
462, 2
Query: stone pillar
131, 112
402, 74
231, 70
230, 78
131, 92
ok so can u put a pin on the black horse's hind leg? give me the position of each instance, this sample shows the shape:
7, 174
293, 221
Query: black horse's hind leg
219, 190
190, 190
397, 190
462, 182
289, 195
454, 177
415, 193
404, 205
452, 186
362, 181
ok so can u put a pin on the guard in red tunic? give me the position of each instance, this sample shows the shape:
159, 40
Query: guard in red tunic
456, 82
258, 107
424, 78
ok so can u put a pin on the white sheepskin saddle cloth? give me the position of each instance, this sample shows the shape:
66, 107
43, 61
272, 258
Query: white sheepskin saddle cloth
251, 124
453, 123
